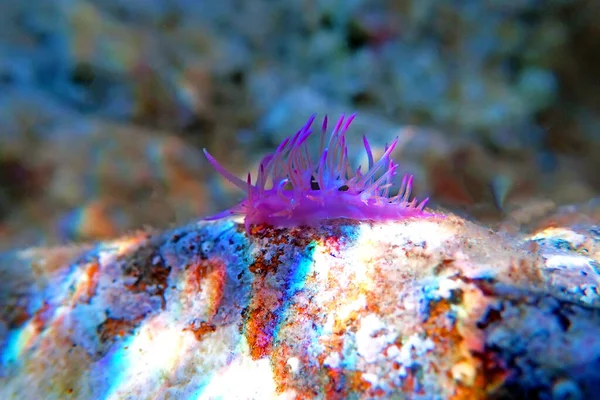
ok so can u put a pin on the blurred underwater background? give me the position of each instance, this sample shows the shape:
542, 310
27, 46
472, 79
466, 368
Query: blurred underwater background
105, 105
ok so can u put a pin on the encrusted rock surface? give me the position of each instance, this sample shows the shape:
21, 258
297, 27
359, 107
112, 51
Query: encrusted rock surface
426, 308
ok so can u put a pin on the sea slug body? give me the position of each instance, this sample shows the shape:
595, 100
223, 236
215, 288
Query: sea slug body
294, 189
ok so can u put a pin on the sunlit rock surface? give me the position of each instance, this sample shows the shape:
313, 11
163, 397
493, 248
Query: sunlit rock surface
424, 308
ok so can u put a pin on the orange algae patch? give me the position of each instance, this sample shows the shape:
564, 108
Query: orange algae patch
208, 276
41, 317
18, 316
410, 383
92, 275
113, 328
261, 315
285, 376
268, 297
468, 368
335, 376
261, 320
356, 383
88, 283
450, 342
201, 329
332, 381
149, 271
206, 269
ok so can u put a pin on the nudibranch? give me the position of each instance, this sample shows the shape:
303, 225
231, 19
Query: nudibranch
292, 188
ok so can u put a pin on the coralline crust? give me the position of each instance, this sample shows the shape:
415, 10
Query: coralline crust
422, 308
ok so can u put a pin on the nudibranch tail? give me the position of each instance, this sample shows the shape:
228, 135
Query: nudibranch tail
294, 188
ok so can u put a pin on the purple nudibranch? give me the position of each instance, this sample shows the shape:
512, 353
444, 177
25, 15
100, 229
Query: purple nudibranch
294, 189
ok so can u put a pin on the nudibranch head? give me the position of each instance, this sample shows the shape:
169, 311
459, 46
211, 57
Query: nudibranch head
294, 189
